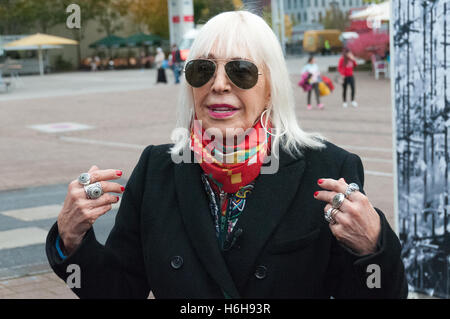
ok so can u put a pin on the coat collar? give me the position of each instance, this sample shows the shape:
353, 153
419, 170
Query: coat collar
263, 211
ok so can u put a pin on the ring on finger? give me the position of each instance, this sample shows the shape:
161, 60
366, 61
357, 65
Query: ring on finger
352, 187
93, 191
333, 213
84, 179
337, 201
329, 215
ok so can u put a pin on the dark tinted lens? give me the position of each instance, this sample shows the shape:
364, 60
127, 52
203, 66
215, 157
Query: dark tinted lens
243, 73
199, 72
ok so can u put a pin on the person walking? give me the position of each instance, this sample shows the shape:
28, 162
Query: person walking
176, 63
313, 69
159, 60
347, 63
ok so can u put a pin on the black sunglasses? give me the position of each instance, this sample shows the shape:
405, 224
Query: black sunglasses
243, 73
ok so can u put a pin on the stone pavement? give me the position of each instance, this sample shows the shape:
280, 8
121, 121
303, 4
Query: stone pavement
126, 111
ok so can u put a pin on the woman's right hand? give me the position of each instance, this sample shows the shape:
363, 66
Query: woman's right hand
79, 213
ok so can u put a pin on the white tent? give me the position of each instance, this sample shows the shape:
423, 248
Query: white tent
381, 12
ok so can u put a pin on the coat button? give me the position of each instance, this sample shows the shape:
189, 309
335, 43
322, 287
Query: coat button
176, 262
261, 272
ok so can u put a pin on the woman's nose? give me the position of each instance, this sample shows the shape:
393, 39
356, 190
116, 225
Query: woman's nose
221, 82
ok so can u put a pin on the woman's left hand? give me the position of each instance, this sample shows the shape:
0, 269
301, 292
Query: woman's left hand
357, 223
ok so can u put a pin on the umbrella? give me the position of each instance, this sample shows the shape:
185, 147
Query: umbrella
348, 35
40, 40
141, 39
111, 41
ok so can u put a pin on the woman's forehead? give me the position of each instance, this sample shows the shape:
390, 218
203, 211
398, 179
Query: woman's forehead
224, 50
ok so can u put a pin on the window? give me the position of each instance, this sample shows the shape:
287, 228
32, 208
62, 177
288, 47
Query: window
343, 3
289, 4
323, 3
302, 3
308, 3
316, 3
350, 3
320, 16
299, 17
305, 17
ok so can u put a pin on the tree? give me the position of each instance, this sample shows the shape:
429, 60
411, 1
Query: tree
335, 19
206, 9
369, 43
151, 14
46, 13
20, 16
90, 10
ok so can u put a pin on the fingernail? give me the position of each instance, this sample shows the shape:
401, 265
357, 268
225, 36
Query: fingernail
316, 193
122, 188
119, 173
344, 180
320, 181
117, 198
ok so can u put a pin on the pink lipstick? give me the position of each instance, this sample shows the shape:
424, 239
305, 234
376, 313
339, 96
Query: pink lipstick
220, 111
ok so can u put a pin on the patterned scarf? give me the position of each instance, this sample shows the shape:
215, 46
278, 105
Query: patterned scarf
230, 167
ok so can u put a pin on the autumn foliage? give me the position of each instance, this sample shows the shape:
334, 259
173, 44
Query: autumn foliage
369, 43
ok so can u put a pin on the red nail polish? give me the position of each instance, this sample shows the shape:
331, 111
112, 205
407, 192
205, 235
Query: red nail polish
320, 181
119, 173
117, 198
122, 188
316, 193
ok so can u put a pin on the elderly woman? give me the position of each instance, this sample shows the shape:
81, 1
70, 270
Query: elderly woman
227, 211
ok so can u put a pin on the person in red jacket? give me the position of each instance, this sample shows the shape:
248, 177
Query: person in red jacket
347, 63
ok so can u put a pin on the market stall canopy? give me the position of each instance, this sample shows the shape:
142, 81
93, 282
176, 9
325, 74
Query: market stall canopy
32, 47
380, 11
39, 40
142, 39
111, 41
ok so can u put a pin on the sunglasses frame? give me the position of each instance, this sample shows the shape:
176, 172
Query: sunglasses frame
217, 67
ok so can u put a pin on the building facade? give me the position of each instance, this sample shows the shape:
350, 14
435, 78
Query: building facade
313, 11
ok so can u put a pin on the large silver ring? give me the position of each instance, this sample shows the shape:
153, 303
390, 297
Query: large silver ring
333, 213
84, 179
338, 199
93, 191
353, 187
329, 215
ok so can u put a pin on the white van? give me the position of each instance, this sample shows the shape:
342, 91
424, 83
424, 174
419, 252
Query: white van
186, 42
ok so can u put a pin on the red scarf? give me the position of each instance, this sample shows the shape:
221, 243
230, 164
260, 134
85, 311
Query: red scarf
230, 167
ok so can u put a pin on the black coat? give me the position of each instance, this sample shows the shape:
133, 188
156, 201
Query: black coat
164, 238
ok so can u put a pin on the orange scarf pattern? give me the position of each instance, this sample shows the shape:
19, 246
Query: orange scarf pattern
230, 167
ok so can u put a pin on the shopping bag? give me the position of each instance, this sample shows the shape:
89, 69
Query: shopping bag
304, 82
323, 89
328, 82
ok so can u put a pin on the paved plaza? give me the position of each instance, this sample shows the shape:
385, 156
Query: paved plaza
52, 128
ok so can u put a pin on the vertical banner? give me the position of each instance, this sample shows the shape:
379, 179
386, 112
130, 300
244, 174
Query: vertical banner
421, 42
181, 19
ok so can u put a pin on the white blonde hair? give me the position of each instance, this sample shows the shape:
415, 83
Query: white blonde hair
233, 33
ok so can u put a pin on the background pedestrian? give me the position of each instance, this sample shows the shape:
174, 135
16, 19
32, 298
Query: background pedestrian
347, 63
314, 79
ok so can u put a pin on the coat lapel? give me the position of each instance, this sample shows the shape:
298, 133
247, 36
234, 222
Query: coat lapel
263, 211
194, 208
